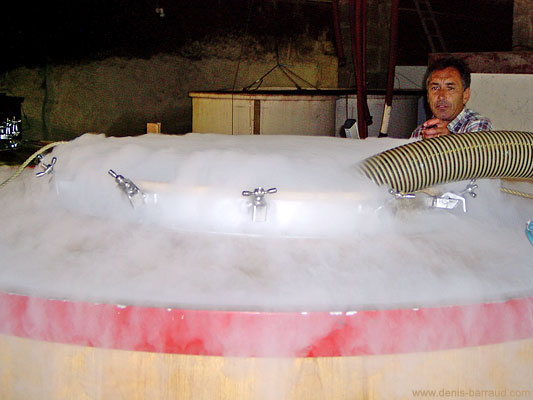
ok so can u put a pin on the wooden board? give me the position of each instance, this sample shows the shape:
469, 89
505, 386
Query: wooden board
38, 370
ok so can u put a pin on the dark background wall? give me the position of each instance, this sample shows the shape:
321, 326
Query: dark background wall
65, 31
111, 65
62, 31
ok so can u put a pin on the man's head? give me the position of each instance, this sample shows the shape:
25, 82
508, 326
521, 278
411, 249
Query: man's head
448, 87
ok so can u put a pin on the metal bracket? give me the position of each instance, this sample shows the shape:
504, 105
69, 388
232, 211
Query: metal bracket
258, 202
450, 200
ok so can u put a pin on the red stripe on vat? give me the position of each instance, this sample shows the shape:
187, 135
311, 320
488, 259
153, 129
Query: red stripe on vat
265, 334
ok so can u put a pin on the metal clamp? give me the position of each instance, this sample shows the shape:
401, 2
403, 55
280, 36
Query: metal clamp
126, 185
258, 203
47, 168
450, 200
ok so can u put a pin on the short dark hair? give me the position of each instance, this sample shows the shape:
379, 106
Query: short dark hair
446, 62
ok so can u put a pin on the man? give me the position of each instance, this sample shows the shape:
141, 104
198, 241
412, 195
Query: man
448, 91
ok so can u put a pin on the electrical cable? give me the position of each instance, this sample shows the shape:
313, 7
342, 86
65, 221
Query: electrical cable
517, 193
29, 160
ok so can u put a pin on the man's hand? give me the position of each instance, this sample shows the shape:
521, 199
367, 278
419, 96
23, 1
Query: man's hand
434, 127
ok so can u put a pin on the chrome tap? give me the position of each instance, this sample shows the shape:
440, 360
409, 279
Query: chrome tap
258, 202
128, 187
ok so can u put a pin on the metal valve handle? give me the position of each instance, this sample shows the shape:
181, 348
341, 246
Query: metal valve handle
472, 185
259, 192
47, 168
258, 203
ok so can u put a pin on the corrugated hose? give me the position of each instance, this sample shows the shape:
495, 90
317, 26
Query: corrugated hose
419, 165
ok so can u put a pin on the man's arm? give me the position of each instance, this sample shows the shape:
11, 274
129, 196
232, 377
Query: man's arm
431, 128
435, 127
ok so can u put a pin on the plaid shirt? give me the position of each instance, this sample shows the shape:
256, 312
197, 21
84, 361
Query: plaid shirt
466, 121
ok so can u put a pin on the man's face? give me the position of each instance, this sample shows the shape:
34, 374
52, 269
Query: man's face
446, 95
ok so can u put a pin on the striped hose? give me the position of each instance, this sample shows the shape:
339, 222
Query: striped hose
416, 166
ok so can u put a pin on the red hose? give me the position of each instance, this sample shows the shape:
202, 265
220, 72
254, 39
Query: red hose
337, 30
363, 22
393, 53
357, 55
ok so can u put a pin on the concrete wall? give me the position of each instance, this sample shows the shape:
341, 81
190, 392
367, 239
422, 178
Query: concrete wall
505, 99
523, 25
118, 96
